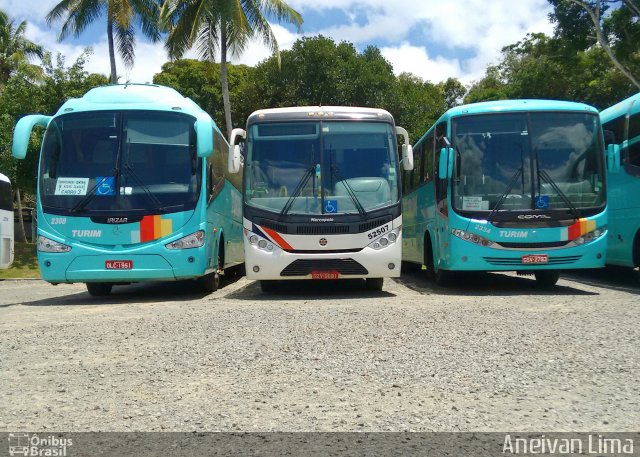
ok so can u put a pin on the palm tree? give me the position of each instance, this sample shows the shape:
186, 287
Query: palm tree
224, 25
122, 17
15, 49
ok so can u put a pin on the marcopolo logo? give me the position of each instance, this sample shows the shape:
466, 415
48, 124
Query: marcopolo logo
25, 444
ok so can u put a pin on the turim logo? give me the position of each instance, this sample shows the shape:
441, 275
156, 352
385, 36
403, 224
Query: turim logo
87, 233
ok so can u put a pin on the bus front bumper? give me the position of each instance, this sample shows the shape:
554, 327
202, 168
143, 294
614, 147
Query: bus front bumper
466, 256
282, 265
92, 265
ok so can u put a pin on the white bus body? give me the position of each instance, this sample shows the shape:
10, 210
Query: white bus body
6, 223
321, 194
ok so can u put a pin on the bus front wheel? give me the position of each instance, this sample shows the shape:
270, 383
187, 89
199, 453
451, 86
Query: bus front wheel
209, 283
99, 289
375, 284
547, 278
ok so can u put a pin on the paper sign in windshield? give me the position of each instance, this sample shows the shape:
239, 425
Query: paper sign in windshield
474, 204
72, 186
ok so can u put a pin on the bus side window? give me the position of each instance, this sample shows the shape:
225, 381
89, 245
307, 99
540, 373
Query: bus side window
417, 173
614, 130
428, 159
216, 165
634, 140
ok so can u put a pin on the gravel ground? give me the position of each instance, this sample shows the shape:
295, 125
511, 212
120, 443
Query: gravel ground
493, 354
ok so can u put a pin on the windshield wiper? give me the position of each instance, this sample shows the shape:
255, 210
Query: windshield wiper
514, 180
336, 174
157, 204
90, 195
561, 194
303, 182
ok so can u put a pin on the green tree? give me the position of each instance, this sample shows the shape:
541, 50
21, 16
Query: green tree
613, 24
122, 17
224, 26
15, 49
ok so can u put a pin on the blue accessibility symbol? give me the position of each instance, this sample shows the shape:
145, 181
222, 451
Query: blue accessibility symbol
542, 201
331, 206
107, 186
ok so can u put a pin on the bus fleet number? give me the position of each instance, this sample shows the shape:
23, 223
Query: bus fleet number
378, 231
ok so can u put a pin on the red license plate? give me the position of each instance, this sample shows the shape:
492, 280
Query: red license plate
325, 275
118, 264
535, 258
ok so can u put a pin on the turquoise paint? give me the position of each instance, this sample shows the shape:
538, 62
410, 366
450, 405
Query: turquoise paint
92, 243
623, 189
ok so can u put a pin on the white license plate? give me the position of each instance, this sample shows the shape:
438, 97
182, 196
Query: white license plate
535, 258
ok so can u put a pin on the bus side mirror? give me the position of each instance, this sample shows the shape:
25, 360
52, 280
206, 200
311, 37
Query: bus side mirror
407, 157
407, 149
22, 133
613, 158
445, 166
204, 135
235, 157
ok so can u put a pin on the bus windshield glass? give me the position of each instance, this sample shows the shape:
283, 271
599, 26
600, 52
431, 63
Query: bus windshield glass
142, 162
340, 167
6, 197
528, 161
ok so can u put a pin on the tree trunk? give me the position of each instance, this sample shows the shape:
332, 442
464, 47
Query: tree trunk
21, 235
594, 14
224, 80
112, 53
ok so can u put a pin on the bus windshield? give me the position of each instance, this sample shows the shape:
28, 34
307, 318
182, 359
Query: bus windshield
142, 162
528, 161
6, 197
309, 167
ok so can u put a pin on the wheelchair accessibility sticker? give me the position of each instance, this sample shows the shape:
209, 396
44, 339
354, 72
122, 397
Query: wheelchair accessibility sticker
331, 206
542, 201
107, 186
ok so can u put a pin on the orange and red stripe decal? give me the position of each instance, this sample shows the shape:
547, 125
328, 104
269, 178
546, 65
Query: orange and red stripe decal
581, 227
275, 236
154, 227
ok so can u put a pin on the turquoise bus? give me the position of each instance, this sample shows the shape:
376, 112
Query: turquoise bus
621, 125
132, 187
513, 185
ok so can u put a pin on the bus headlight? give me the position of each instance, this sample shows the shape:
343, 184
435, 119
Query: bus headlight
260, 243
47, 245
386, 240
195, 240
591, 236
471, 238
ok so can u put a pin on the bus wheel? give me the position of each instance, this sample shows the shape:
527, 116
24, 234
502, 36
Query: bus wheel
443, 277
209, 283
430, 272
547, 278
375, 284
268, 286
99, 289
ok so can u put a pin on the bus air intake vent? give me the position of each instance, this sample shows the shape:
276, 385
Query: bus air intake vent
550, 244
517, 261
303, 267
280, 228
321, 229
366, 226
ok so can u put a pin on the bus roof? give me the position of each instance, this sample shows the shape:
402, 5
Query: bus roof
131, 97
499, 106
320, 112
4, 178
620, 108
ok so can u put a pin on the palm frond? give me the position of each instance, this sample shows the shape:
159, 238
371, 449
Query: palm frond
125, 39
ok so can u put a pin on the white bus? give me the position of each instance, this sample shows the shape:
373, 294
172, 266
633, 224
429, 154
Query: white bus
6, 223
321, 194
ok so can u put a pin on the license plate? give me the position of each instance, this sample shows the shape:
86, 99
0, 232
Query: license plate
325, 275
118, 264
535, 258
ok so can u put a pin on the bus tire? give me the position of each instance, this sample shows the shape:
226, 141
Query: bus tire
209, 283
374, 284
547, 278
443, 278
99, 289
430, 272
268, 286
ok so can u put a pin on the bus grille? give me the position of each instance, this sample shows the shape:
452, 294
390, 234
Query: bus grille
550, 244
322, 229
517, 261
280, 228
364, 227
303, 267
